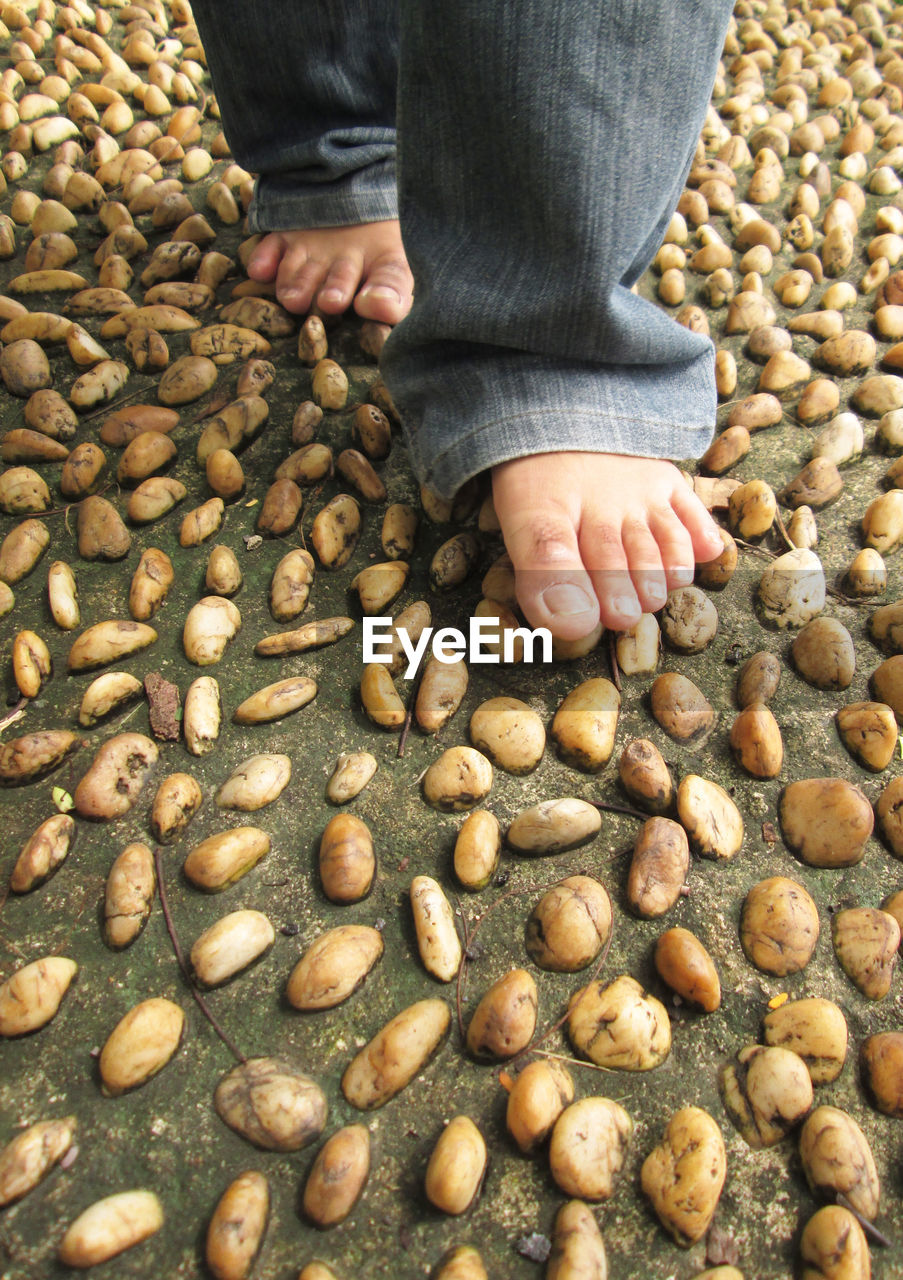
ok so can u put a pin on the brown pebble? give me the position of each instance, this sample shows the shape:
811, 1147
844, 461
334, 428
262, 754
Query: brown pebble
779, 926
164, 705
881, 1065
866, 941
825, 821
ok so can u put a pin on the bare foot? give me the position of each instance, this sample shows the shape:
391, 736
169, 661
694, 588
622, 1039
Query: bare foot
598, 536
335, 266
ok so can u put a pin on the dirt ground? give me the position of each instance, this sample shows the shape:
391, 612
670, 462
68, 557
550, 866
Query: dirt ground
165, 1135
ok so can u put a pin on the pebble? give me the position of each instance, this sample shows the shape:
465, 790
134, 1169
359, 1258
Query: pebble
882, 523
684, 1175
751, 510
834, 1245
792, 589
503, 1023
272, 1104
758, 679
538, 1096
230, 945
619, 1025
755, 739
712, 821
869, 732
836, 1157
554, 826
569, 925
585, 724
816, 485
510, 733
109, 1227
396, 1054
815, 1029
826, 821
881, 1066
682, 709
477, 849
756, 412
779, 926
334, 966
689, 620
460, 779
588, 1148
255, 783
140, 1045
456, 1167
337, 1177
577, 1246
866, 941
658, 867
685, 965
766, 1093
236, 1229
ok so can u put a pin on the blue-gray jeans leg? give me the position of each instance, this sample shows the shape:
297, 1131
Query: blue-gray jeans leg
307, 92
542, 150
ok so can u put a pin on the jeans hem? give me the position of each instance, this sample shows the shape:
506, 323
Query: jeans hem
303, 207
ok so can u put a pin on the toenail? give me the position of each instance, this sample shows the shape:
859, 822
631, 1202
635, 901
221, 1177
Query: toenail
566, 600
380, 291
332, 295
682, 576
626, 606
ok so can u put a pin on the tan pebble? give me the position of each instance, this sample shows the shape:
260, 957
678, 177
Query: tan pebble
869, 732
352, 773
43, 852
759, 678
131, 885
337, 1176
396, 1054
223, 858
27, 1159
712, 821
755, 739
618, 1025
826, 821
881, 1065
333, 967
644, 776
569, 925
766, 1093
537, 1098
460, 779
456, 1166
346, 859
680, 707
442, 689
477, 849
756, 412
833, 1246
836, 1157
380, 698
230, 945
816, 485
272, 1104
236, 1229
109, 1227
823, 654
779, 926
658, 867
751, 510
434, 924
509, 733
684, 1175
504, 1021
689, 620
209, 626
726, 450
792, 589
553, 826
815, 1029
866, 942
140, 1045
637, 648
577, 1246
588, 1148
685, 965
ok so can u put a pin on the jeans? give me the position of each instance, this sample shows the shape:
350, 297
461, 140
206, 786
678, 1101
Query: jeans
538, 151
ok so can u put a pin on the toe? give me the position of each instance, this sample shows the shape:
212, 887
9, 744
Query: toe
387, 292
264, 261
675, 548
603, 553
553, 588
335, 294
704, 534
298, 279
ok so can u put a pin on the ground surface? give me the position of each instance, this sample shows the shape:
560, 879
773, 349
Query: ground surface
166, 1135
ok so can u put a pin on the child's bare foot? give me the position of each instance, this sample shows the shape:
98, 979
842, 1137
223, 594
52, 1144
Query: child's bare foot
595, 535
335, 266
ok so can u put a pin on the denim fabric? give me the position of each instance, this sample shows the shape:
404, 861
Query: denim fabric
307, 91
541, 151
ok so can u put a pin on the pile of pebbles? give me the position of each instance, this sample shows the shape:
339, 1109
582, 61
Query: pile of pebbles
476, 941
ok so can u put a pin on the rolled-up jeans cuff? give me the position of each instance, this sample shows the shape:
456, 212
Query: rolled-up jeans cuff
641, 411
285, 203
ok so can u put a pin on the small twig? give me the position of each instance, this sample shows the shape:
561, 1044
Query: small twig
607, 807
597, 969
753, 546
779, 521
180, 957
868, 1227
64, 511
460, 967
113, 405
613, 660
15, 714
409, 716
576, 1062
